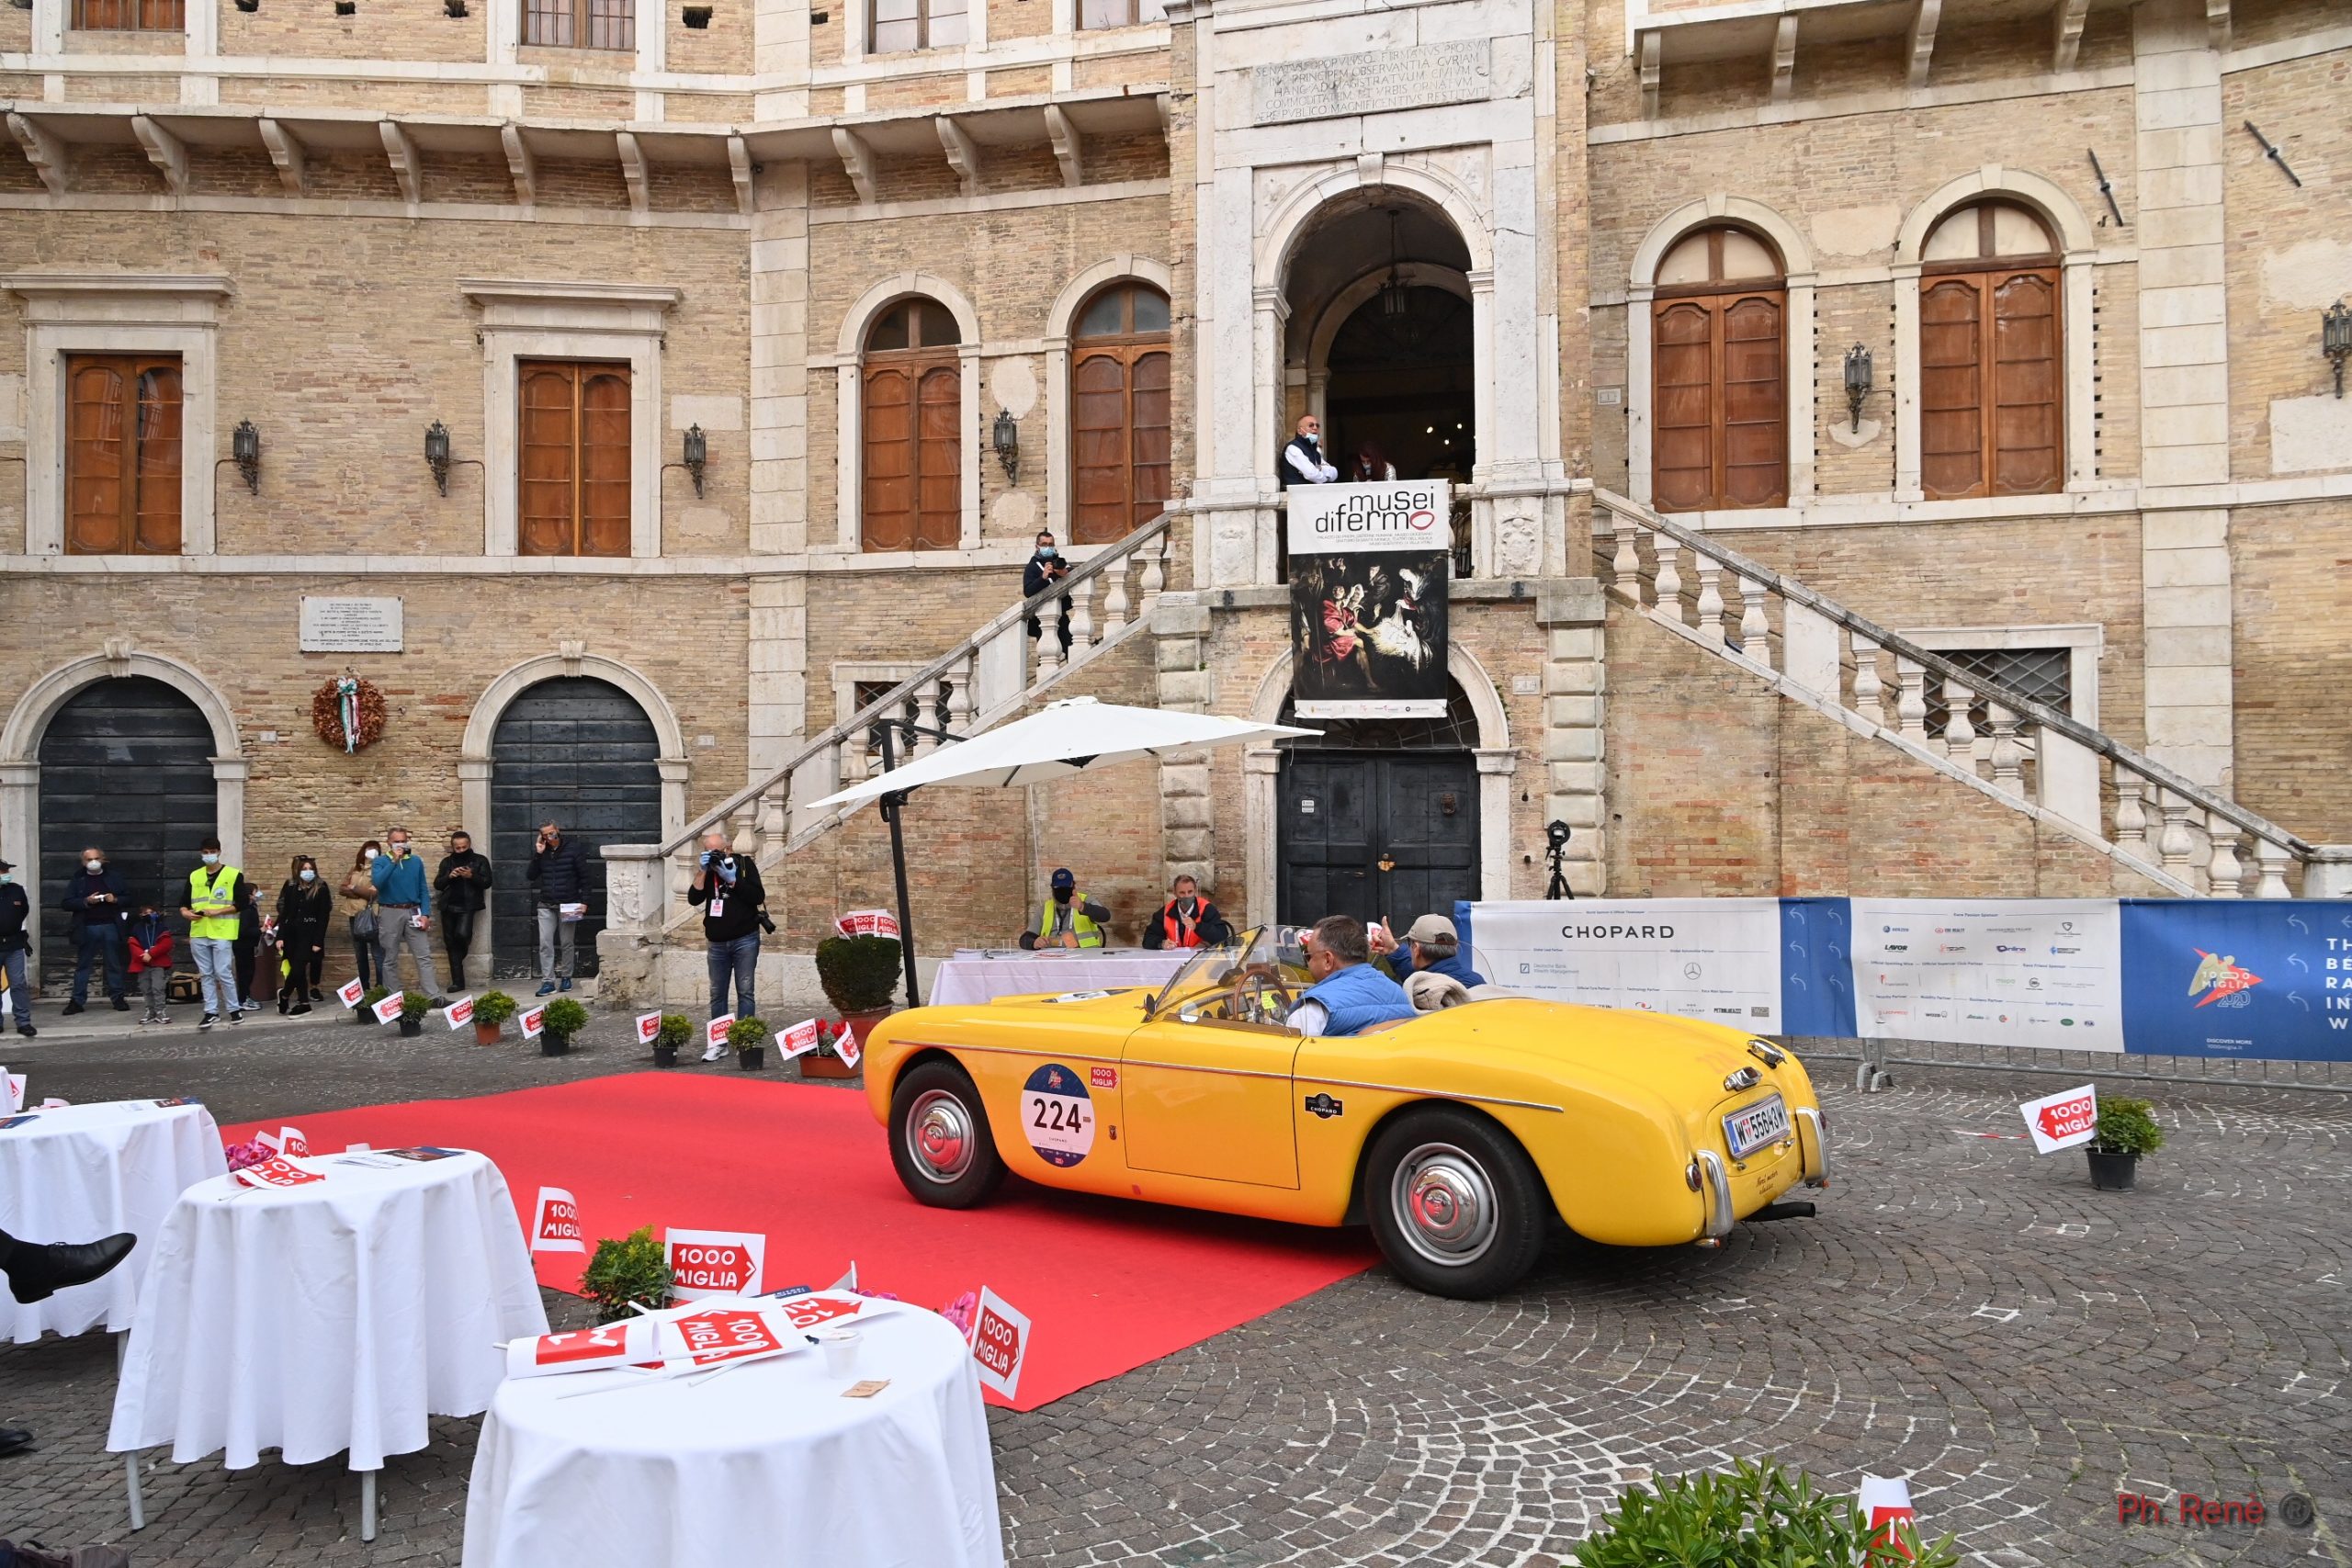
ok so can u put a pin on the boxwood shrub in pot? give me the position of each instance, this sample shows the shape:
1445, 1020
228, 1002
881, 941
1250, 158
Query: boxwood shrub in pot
565, 1018
414, 1005
675, 1030
750, 1038
626, 1269
860, 975
2126, 1130
366, 1011
492, 1009
1760, 1515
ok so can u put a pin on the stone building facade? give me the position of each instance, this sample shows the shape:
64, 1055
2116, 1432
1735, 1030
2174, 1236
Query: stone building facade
760, 337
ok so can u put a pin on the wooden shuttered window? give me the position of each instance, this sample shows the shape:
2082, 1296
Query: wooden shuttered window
130, 15
580, 24
911, 384
122, 454
1120, 414
574, 469
1719, 428
1991, 380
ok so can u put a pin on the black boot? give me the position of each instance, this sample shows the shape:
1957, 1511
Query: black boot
13, 1437
37, 1272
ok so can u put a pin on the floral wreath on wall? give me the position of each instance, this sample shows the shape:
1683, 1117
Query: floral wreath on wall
348, 712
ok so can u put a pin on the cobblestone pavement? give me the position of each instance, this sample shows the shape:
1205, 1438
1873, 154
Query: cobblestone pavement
2023, 1345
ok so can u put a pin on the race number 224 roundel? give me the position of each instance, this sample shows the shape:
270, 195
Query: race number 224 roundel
1058, 1115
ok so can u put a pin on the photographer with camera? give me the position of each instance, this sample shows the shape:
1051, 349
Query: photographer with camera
560, 874
1045, 568
734, 909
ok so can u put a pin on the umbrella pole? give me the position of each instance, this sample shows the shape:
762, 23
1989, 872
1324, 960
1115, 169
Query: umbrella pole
891, 805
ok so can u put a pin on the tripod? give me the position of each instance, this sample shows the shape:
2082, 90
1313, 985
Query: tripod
1556, 854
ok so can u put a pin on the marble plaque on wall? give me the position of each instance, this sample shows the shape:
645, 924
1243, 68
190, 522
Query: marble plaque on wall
1376, 82
350, 626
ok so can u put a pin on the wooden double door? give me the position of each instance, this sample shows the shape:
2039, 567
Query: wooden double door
1376, 835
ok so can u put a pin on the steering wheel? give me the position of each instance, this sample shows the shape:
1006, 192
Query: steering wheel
1252, 985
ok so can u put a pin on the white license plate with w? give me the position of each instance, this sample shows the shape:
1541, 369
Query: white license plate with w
1751, 1127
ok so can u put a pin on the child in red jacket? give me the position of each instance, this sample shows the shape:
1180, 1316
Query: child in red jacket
151, 959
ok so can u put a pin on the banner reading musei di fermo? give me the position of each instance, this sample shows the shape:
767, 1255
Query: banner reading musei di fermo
1368, 571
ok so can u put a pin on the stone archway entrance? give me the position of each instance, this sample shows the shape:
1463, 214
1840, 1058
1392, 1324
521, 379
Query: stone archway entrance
580, 751
125, 765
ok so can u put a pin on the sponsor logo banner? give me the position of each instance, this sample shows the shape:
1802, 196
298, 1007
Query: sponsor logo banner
714, 1263
555, 1226
2064, 1120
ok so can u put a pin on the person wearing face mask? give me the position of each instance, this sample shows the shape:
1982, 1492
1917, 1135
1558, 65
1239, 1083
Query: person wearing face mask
16, 941
404, 914
305, 913
1070, 919
212, 918
728, 890
357, 901
1303, 461
1187, 920
93, 902
1046, 568
463, 882
150, 939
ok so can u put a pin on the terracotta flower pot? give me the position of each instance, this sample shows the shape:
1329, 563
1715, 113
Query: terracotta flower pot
487, 1033
861, 1024
815, 1067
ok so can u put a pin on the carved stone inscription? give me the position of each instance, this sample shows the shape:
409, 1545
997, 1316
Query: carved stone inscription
1376, 82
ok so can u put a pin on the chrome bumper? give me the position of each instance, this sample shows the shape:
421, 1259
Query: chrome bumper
1813, 1161
1715, 1191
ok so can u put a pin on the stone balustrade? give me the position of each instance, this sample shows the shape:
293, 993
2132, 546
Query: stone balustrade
2181, 837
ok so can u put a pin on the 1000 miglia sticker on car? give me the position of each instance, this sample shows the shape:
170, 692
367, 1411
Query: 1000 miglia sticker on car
1057, 1114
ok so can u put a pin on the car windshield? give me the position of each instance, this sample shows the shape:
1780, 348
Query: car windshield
1267, 950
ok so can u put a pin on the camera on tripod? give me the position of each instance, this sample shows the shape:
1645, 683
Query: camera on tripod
1555, 837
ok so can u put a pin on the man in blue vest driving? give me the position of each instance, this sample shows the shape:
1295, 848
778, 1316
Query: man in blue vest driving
1349, 995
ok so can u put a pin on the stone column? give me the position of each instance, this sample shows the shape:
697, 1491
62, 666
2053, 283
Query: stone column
2184, 388
473, 816
19, 840
777, 685
1179, 626
1574, 617
628, 954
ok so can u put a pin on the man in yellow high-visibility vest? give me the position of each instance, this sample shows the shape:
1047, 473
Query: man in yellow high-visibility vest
1070, 919
211, 915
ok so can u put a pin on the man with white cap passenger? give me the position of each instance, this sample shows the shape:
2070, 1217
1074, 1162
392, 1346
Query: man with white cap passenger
1430, 946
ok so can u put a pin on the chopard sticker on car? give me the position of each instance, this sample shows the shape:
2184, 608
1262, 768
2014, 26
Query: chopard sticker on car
1057, 1114
1751, 1127
1323, 1106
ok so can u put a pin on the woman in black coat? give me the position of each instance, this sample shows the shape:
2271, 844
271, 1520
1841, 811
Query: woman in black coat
305, 915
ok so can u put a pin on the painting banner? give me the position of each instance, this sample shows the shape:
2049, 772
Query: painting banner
1369, 566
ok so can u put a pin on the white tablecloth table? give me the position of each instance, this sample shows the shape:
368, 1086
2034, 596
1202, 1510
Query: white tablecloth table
975, 974
766, 1466
335, 1315
89, 1171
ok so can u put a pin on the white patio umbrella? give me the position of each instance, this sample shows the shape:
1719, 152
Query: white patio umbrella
1075, 735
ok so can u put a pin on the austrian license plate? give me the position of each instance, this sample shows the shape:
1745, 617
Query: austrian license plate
1751, 1127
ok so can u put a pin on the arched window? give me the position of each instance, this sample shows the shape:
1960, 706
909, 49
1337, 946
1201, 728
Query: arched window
913, 399
1990, 372
1120, 416
1719, 392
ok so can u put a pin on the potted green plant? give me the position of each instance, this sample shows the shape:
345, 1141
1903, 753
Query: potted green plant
860, 975
624, 1271
675, 1030
366, 1011
2126, 1130
565, 1018
1760, 1515
750, 1038
414, 1005
492, 1009
825, 1061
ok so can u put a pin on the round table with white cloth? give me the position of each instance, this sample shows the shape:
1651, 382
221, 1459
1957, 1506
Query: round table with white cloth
338, 1315
770, 1465
975, 975
84, 1172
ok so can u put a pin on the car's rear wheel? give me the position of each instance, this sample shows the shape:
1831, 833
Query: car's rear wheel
940, 1140
1455, 1204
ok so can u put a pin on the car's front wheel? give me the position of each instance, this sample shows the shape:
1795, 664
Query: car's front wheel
1455, 1204
940, 1140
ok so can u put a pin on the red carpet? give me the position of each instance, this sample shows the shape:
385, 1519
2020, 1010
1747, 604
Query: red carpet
1107, 1285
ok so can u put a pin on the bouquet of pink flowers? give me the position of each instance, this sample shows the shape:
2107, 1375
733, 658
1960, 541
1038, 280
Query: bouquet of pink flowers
961, 1310
247, 1153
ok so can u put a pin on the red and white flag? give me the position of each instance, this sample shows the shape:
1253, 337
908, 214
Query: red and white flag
389, 1008
1886, 1502
2064, 1120
846, 1047
275, 1171
713, 1263
290, 1141
715, 1032
531, 1019
648, 1024
798, 1041
555, 1225
460, 1012
867, 922
350, 991
1000, 1341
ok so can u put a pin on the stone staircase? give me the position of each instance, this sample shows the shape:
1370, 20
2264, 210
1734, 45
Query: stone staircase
990, 676
2080, 782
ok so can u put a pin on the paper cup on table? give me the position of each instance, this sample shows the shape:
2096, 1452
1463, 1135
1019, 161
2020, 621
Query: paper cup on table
840, 1347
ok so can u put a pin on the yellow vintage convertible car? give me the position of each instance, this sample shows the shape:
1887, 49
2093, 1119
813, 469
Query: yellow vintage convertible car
1456, 1134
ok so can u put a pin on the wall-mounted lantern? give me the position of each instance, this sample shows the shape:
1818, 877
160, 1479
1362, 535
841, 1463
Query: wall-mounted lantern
437, 453
697, 453
1005, 437
2335, 339
245, 444
1858, 384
